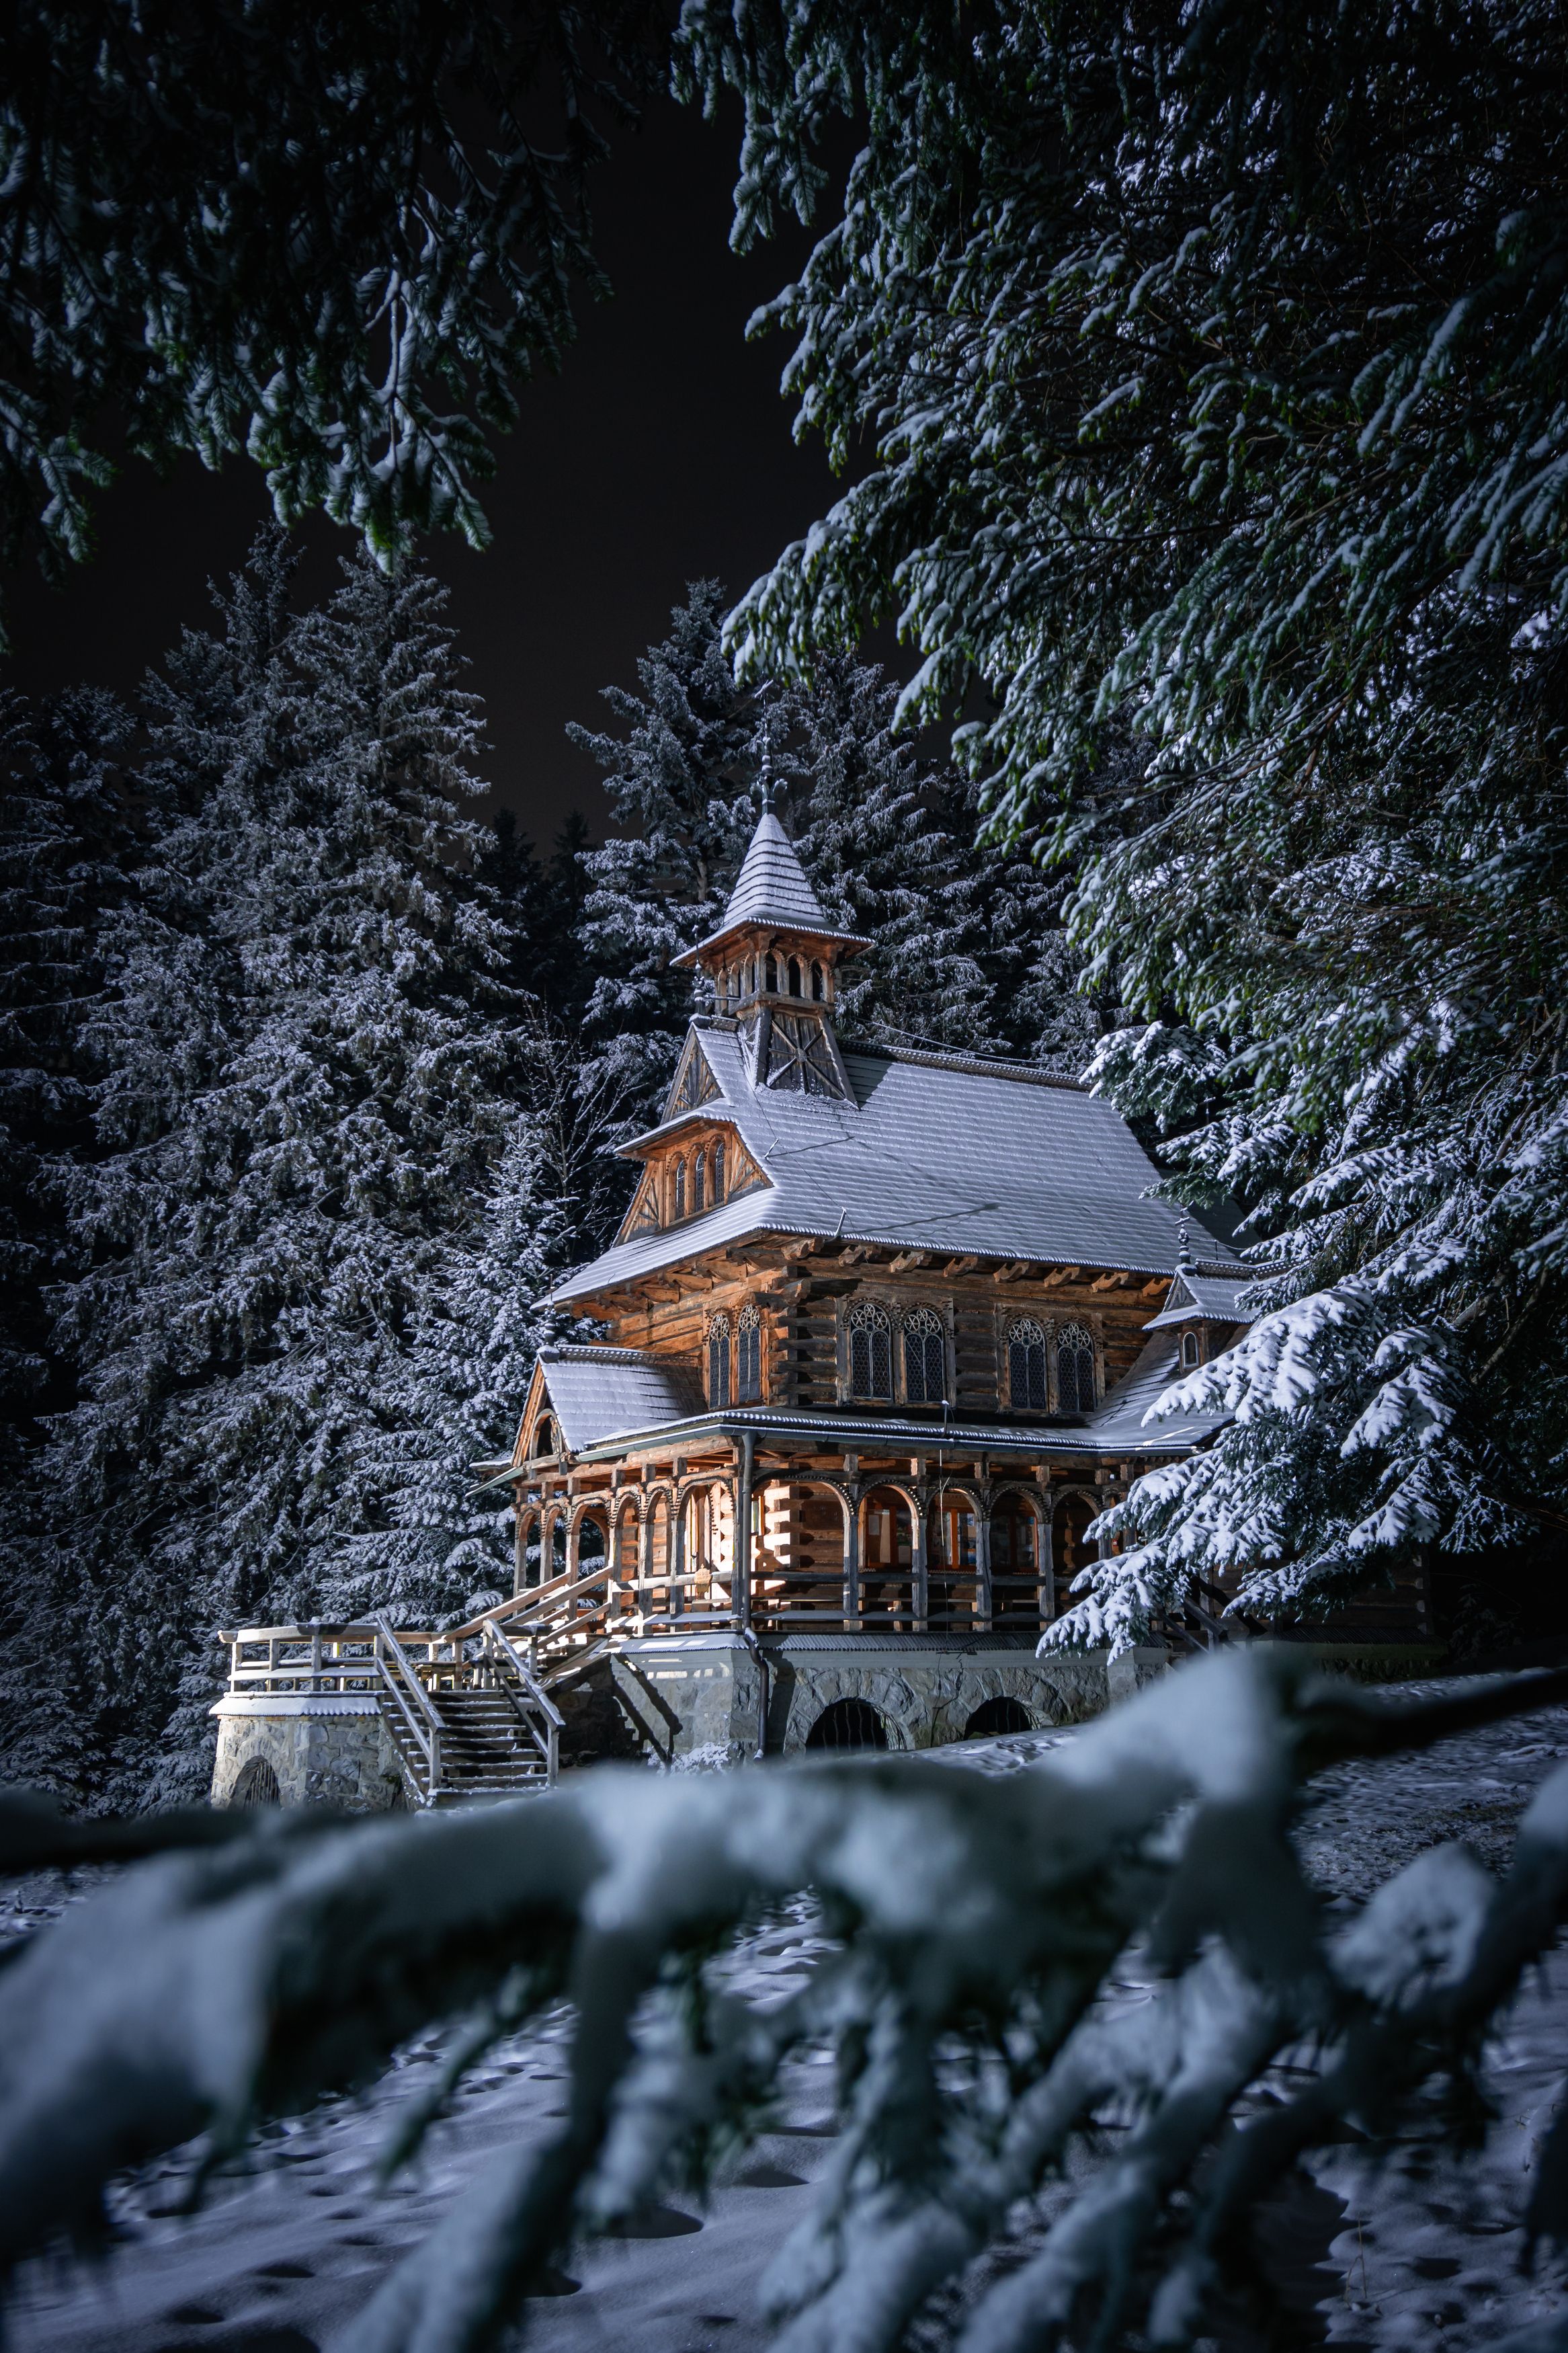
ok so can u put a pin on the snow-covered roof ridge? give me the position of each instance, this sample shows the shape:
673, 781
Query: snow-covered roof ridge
929, 1156
1205, 1291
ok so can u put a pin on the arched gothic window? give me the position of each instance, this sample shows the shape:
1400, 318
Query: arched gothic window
719, 1361
1075, 1369
1189, 1351
870, 1351
925, 1357
818, 983
679, 1210
795, 988
770, 974
699, 1182
719, 1171
749, 1356
1026, 1367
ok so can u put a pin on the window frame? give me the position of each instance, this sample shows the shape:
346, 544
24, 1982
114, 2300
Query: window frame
720, 1345
1038, 1338
923, 1321
749, 1345
869, 1316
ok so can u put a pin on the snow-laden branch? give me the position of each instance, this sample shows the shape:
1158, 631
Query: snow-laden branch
204, 1990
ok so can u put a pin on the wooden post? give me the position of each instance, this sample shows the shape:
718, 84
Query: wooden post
1047, 1592
983, 1558
519, 1542
919, 1567
850, 1504
740, 1582
679, 1505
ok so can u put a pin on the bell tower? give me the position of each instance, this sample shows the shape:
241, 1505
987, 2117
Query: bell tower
775, 966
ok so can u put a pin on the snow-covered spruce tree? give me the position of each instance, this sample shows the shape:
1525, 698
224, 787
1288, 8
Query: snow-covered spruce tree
678, 784
64, 828
64, 835
966, 948
310, 1071
1214, 367
1086, 2016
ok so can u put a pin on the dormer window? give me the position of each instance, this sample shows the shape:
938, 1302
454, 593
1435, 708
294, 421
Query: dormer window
1192, 1355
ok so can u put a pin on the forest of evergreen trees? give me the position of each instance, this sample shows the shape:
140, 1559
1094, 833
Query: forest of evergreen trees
310, 1075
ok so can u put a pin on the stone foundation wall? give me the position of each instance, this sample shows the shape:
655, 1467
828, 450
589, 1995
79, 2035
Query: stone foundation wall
328, 1751
702, 1692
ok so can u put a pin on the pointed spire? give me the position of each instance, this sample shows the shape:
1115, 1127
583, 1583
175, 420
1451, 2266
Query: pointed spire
772, 886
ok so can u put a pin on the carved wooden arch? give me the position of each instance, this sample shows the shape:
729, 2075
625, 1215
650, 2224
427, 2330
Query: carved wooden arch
585, 1507
901, 1488
1030, 1496
1098, 1496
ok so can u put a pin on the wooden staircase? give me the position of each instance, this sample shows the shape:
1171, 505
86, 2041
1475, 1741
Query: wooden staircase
469, 1709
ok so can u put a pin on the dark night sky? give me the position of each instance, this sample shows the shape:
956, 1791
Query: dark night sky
661, 453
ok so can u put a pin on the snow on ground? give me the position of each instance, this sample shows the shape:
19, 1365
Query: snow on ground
1377, 2249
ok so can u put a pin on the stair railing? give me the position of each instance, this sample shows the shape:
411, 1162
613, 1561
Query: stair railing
418, 1709
504, 1654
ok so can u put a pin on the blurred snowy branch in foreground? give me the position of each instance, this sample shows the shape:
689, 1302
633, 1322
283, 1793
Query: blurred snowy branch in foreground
982, 1928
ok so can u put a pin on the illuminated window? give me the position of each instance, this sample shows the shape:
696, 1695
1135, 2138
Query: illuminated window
1026, 1367
749, 1356
871, 1352
1075, 1369
719, 1361
925, 1357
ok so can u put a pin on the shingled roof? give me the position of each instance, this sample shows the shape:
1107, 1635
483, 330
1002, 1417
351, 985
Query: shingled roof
771, 890
993, 1160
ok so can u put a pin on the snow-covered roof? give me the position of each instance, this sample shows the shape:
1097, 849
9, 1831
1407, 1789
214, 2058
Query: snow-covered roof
1203, 1298
956, 1156
771, 890
597, 1393
1118, 1425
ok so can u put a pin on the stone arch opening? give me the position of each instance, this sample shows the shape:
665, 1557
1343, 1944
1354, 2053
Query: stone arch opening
994, 1716
255, 1783
849, 1723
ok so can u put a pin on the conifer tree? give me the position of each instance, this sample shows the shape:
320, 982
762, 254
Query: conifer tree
965, 951
310, 1066
677, 785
